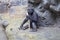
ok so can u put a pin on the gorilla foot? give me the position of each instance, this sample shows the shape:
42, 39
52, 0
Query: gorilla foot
33, 30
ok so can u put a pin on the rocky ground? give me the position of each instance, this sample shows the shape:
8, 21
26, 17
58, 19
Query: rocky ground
43, 33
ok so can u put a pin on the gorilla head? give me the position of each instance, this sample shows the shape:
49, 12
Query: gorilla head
30, 11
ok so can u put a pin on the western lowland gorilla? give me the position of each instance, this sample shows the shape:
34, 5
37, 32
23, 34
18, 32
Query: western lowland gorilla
33, 18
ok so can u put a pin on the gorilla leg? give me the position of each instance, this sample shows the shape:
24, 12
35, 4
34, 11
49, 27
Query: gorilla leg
33, 26
36, 24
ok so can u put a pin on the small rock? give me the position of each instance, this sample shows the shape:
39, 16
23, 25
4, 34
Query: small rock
5, 24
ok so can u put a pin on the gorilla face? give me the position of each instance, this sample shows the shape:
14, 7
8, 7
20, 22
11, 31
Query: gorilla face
30, 11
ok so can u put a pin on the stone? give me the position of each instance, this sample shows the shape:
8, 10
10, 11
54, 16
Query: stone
5, 24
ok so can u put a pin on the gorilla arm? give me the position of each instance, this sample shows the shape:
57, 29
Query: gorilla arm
25, 20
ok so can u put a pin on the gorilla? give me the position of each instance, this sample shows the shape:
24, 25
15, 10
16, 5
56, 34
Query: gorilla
33, 18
